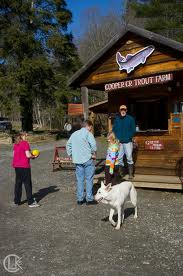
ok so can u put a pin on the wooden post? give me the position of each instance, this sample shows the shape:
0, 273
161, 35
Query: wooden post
181, 131
84, 97
109, 124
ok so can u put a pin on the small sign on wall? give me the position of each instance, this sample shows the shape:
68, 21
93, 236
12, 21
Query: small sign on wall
154, 145
75, 109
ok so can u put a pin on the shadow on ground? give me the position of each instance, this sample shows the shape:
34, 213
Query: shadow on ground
43, 193
127, 212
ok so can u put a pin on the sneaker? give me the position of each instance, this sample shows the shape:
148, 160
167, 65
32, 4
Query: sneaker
93, 202
80, 202
34, 204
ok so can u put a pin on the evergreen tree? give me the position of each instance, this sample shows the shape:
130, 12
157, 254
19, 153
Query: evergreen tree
161, 16
36, 52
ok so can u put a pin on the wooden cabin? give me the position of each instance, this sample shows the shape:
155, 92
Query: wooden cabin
143, 70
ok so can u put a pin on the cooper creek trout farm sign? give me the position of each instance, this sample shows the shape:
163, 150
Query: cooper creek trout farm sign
158, 79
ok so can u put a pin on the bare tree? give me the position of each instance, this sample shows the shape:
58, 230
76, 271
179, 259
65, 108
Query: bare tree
98, 31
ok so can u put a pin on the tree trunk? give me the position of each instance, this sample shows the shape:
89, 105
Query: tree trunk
50, 122
38, 113
26, 113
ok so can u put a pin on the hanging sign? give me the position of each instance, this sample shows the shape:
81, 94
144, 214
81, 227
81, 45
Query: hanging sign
154, 145
131, 61
75, 109
158, 79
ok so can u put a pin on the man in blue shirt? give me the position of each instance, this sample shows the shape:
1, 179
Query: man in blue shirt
82, 147
124, 128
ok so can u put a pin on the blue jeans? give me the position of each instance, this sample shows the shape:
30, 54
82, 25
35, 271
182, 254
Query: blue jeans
127, 149
84, 172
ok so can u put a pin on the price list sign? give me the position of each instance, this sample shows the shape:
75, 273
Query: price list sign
154, 145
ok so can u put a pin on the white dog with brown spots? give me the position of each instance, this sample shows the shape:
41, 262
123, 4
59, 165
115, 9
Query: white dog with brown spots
116, 196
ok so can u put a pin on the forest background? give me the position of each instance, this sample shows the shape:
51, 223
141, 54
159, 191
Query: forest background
38, 54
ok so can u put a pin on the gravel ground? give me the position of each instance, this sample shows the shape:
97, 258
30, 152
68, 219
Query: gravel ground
61, 238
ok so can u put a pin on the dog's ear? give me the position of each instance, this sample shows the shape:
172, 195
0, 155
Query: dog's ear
102, 184
108, 187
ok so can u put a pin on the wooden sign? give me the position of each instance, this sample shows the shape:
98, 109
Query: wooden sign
75, 109
154, 145
158, 79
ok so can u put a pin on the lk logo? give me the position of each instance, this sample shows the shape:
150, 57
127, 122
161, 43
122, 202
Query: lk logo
12, 263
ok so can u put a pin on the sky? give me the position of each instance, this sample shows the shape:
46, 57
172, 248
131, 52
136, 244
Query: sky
78, 7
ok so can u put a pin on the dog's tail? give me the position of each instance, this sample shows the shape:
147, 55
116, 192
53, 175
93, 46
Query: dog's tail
133, 196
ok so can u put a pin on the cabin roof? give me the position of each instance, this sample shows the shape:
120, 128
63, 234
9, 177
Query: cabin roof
75, 79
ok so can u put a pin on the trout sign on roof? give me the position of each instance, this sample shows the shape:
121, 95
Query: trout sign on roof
131, 61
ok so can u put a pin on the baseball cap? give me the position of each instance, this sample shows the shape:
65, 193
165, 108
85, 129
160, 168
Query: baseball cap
123, 107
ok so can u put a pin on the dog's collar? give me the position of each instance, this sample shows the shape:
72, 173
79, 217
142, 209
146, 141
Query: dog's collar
105, 199
100, 199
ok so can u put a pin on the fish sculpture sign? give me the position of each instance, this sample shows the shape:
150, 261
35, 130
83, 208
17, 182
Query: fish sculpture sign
131, 61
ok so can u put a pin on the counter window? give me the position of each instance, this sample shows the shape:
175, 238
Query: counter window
151, 114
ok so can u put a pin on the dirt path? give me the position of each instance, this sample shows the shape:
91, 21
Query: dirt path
61, 238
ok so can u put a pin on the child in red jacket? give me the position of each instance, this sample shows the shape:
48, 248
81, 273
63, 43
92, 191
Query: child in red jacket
21, 163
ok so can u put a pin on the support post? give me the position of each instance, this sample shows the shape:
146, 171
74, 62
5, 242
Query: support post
181, 131
84, 98
109, 124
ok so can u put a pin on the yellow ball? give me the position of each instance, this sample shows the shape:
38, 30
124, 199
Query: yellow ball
35, 152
